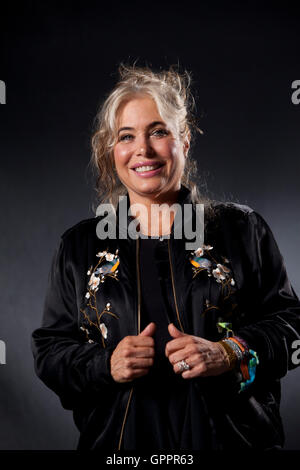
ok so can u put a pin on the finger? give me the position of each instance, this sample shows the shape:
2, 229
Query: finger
135, 341
130, 375
138, 362
192, 361
178, 368
178, 356
176, 344
140, 351
174, 331
188, 351
148, 330
137, 351
198, 371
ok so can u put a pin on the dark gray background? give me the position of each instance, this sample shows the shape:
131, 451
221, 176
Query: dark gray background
58, 60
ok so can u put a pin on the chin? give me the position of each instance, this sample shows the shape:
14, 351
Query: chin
150, 187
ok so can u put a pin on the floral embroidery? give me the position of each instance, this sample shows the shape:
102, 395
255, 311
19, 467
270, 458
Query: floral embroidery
209, 306
107, 266
110, 263
202, 259
98, 324
103, 330
220, 272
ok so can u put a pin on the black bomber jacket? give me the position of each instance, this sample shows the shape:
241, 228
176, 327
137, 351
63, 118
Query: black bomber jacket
93, 300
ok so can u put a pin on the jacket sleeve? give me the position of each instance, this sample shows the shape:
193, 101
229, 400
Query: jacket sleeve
274, 325
68, 365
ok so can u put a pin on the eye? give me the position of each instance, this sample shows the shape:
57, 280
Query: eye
125, 137
160, 132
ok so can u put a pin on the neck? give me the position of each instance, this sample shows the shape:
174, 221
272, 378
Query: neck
160, 223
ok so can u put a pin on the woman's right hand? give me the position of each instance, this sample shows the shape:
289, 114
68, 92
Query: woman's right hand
133, 356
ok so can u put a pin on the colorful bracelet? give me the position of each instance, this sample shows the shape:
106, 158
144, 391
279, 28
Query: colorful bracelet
251, 366
242, 341
246, 358
236, 349
233, 359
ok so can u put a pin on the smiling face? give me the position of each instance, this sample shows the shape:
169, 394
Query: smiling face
148, 155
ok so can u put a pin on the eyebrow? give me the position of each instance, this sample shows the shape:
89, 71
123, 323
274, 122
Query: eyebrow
152, 124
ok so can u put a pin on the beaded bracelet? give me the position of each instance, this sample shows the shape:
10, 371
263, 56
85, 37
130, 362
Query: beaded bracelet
236, 349
244, 359
241, 341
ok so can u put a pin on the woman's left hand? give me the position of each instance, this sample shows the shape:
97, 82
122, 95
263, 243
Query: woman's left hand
204, 357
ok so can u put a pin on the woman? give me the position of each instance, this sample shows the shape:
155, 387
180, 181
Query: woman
154, 346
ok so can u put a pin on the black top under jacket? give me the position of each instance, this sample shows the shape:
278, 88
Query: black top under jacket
160, 414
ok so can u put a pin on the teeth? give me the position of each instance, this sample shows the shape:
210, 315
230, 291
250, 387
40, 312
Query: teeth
146, 168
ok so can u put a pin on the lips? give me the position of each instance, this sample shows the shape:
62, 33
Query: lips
155, 164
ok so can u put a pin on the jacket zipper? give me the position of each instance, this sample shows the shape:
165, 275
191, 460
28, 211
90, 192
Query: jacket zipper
173, 287
138, 332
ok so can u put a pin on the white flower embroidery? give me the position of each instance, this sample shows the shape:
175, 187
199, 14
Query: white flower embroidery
221, 272
94, 282
218, 274
101, 253
223, 268
109, 256
87, 295
207, 247
199, 252
103, 330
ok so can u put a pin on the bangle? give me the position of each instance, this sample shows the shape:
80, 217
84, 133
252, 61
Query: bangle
236, 349
245, 357
240, 354
242, 342
240, 345
230, 353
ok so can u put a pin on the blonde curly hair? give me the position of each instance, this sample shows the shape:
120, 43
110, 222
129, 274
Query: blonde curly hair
171, 93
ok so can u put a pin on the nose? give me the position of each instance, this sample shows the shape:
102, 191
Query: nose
143, 146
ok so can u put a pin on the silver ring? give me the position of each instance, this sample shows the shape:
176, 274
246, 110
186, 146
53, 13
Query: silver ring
183, 365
